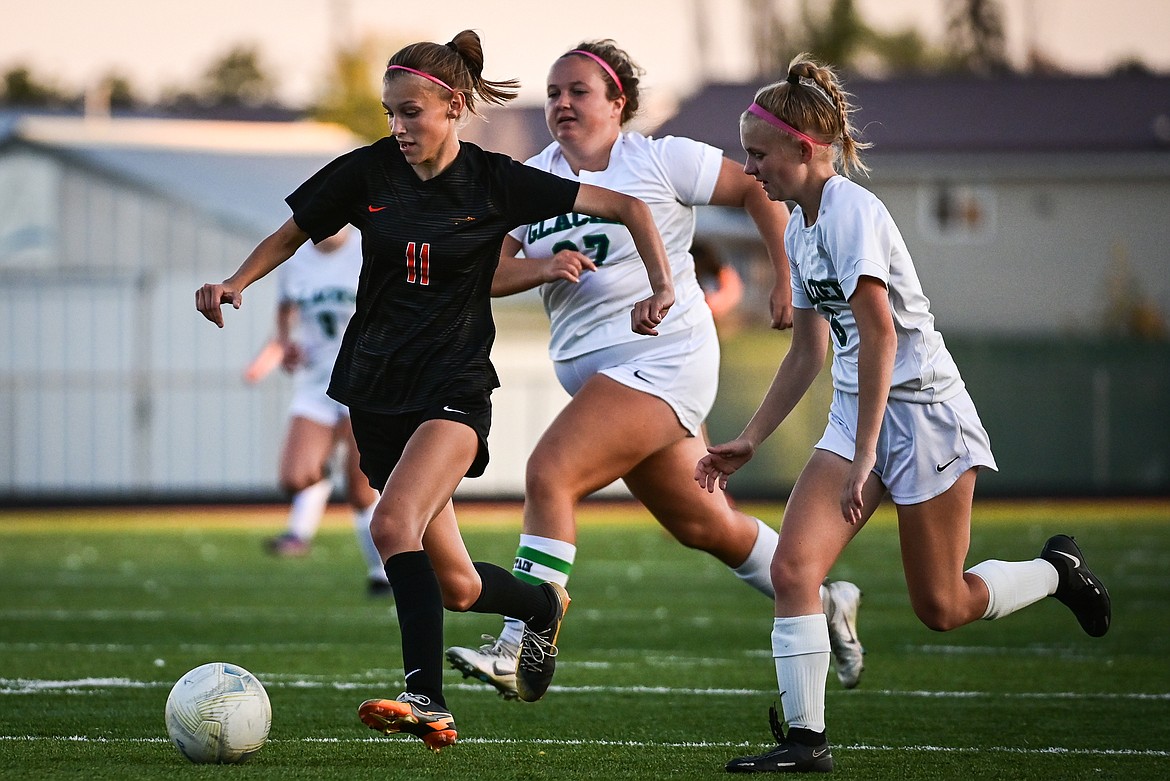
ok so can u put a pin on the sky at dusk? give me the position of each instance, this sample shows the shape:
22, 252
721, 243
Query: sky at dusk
681, 43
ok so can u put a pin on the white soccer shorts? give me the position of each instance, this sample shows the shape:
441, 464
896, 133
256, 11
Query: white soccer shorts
922, 449
681, 368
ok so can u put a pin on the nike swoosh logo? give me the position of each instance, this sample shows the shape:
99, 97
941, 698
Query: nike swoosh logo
1076, 562
941, 467
452, 409
819, 754
638, 374
374, 208
412, 672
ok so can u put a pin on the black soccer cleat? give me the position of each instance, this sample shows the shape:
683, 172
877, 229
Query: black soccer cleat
789, 756
409, 713
377, 587
538, 649
1079, 589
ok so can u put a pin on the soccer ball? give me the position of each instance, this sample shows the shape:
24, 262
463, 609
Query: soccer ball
218, 712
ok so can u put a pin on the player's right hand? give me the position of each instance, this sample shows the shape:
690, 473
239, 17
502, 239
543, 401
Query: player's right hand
293, 357
721, 461
210, 297
780, 306
568, 265
649, 312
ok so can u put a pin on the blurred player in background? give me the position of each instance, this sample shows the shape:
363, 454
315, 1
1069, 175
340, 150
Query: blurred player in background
721, 284
901, 420
638, 404
415, 367
316, 297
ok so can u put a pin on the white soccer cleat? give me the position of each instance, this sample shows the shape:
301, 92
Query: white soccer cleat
848, 654
494, 663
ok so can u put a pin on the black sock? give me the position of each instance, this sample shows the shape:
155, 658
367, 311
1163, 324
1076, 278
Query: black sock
420, 618
506, 594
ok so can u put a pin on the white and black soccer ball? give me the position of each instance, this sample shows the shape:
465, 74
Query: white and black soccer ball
218, 713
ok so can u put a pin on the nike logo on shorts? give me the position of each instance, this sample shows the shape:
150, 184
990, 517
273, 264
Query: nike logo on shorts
942, 467
452, 409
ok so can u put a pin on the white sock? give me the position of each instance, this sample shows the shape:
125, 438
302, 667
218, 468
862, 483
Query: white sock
1013, 585
307, 508
800, 649
756, 569
538, 559
361, 530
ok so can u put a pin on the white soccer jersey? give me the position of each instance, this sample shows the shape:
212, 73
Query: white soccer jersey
672, 175
855, 236
323, 286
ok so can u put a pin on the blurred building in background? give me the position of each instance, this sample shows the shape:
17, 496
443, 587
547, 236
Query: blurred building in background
1035, 209
1032, 190
1036, 212
114, 388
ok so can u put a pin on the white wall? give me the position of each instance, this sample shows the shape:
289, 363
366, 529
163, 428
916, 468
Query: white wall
112, 385
1052, 237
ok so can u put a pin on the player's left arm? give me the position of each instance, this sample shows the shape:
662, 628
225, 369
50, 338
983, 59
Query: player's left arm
636, 216
736, 188
875, 370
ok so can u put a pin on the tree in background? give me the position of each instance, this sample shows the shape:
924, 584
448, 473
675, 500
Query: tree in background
21, 88
123, 93
351, 94
25, 90
840, 36
975, 38
237, 79
1130, 311
834, 32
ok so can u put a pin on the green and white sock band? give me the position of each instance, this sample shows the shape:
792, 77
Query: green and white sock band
538, 559
542, 558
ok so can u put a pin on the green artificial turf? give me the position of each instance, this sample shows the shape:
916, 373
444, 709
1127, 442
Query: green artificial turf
665, 668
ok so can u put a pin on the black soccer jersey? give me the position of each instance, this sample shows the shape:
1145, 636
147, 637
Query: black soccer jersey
423, 327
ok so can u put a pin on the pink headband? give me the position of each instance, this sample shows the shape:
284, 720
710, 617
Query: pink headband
426, 76
776, 122
605, 66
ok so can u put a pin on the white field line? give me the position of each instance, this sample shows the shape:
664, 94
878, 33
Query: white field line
1049, 750
25, 686
614, 657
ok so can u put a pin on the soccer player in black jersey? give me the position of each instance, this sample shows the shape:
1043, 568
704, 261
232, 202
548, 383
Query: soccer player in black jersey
414, 365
